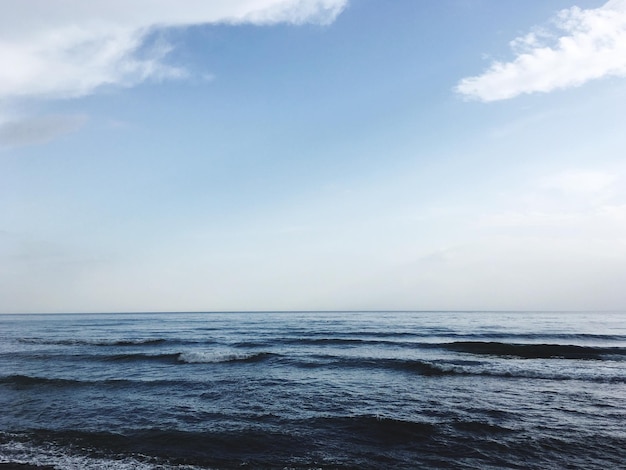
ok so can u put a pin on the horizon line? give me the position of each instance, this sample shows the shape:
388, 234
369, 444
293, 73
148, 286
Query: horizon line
178, 312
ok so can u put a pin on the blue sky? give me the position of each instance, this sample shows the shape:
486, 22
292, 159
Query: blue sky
312, 154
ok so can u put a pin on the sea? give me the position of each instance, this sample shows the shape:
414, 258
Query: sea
314, 390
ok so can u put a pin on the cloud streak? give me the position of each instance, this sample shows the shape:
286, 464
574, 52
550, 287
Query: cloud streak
588, 45
71, 48
38, 130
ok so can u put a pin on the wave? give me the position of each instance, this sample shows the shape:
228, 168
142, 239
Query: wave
334, 342
518, 344
334, 442
25, 381
208, 357
192, 357
538, 336
250, 447
480, 427
429, 341
149, 449
94, 342
374, 428
44, 450
176, 357
417, 366
420, 367
458, 368
439, 333
536, 351
137, 357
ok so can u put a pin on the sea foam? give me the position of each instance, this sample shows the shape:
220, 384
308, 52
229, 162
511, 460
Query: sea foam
214, 357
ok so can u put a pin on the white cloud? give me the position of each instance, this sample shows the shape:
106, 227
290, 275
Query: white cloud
591, 45
61, 49
580, 181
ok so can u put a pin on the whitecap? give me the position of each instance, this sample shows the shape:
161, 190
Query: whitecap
214, 357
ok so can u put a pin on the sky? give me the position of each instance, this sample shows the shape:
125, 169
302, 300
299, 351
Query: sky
217, 155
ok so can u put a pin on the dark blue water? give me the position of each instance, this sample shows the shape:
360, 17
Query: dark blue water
314, 390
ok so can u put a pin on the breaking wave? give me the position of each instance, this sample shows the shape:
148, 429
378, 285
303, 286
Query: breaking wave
209, 357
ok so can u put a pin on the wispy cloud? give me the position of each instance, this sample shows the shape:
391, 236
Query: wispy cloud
38, 130
586, 45
580, 181
576, 202
71, 48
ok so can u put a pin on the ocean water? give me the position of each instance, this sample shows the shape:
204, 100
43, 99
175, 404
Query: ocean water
312, 390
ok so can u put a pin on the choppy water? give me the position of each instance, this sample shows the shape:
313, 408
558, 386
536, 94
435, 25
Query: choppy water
314, 390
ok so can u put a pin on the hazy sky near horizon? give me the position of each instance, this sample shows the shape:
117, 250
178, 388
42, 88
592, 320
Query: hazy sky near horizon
160, 155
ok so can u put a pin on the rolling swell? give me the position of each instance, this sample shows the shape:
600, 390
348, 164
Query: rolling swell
27, 381
538, 336
483, 343
154, 448
191, 357
94, 342
339, 442
178, 357
416, 366
375, 428
324, 341
444, 368
535, 351
324, 391
299, 443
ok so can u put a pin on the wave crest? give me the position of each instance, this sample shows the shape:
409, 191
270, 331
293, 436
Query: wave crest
213, 357
93, 342
536, 351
